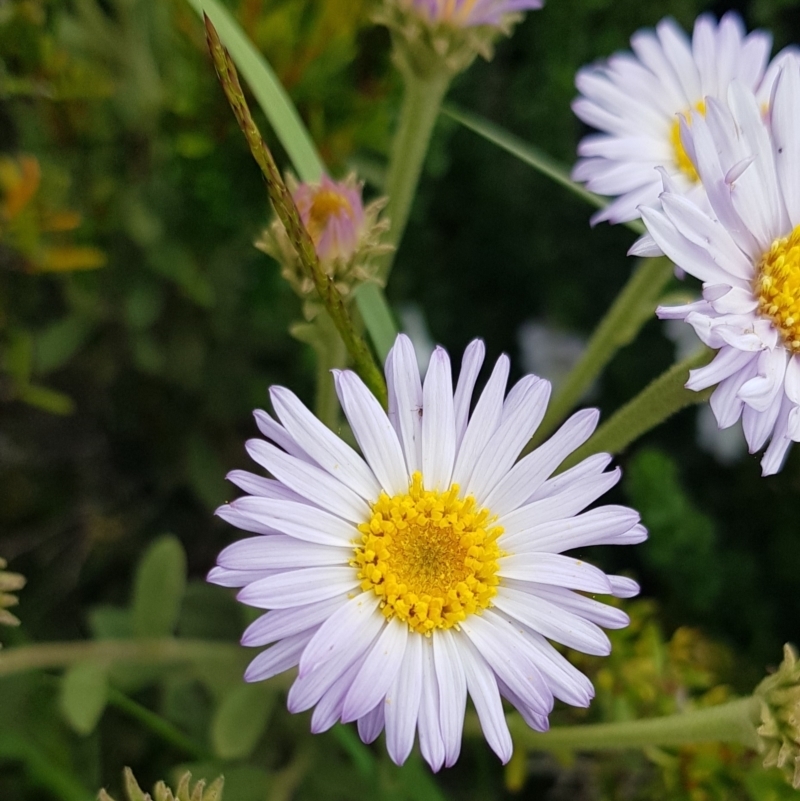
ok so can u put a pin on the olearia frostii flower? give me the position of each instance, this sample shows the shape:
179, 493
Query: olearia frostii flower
429, 567
446, 35
744, 245
636, 100
345, 233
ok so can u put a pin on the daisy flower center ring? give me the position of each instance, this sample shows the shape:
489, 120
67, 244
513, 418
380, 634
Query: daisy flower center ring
777, 287
431, 557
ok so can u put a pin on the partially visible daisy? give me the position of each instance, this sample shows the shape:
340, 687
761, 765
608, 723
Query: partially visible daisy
636, 101
345, 233
745, 247
435, 36
470, 13
429, 567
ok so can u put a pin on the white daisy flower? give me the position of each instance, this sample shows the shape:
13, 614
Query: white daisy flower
637, 99
745, 247
430, 567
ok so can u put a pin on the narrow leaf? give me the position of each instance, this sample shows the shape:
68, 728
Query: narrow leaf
378, 317
267, 89
84, 692
158, 588
530, 155
240, 720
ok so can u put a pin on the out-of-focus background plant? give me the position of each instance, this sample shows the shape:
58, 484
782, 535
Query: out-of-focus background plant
139, 327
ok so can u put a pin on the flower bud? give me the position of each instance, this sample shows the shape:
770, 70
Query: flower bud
780, 717
185, 791
9, 582
433, 36
345, 233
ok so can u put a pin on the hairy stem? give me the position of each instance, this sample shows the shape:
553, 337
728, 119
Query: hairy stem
633, 307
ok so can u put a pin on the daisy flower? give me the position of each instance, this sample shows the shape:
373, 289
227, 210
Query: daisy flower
636, 101
429, 567
470, 13
745, 247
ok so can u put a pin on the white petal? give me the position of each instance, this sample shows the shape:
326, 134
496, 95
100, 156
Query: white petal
274, 431
328, 710
623, 587
280, 623
550, 568
727, 362
373, 432
793, 379
522, 481
522, 412
502, 646
558, 507
354, 625
430, 733
295, 519
553, 621
408, 392
470, 367
278, 552
452, 692
309, 482
223, 577
402, 703
299, 587
265, 487
438, 423
599, 526
563, 482
239, 518
281, 656
327, 450
482, 687
483, 422
370, 686
371, 725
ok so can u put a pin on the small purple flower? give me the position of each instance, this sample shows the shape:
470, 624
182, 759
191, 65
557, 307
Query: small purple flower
333, 213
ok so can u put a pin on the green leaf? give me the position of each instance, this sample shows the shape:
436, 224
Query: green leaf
267, 89
46, 399
240, 720
84, 693
58, 343
158, 588
378, 318
531, 155
110, 623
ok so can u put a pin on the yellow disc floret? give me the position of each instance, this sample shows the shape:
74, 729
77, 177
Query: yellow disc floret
430, 556
777, 287
679, 151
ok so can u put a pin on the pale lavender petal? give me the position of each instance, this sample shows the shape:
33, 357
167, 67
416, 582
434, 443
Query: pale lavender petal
470, 367
551, 568
430, 733
280, 623
280, 657
402, 703
408, 391
279, 552
299, 587
438, 423
371, 725
452, 685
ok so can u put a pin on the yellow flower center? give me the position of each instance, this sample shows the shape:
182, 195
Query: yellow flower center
430, 556
326, 204
777, 287
679, 151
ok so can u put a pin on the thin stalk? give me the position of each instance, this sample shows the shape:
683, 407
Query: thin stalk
633, 307
161, 651
156, 724
289, 215
733, 722
422, 100
659, 400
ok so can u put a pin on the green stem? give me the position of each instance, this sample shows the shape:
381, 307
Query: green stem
422, 100
633, 307
659, 400
161, 651
734, 721
156, 724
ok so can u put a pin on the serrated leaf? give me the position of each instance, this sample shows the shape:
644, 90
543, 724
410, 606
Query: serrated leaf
158, 588
84, 693
240, 720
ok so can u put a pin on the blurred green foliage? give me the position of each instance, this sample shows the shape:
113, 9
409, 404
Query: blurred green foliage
139, 328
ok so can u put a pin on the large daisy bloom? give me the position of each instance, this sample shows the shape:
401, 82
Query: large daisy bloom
429, 567
745, 247
636, 100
